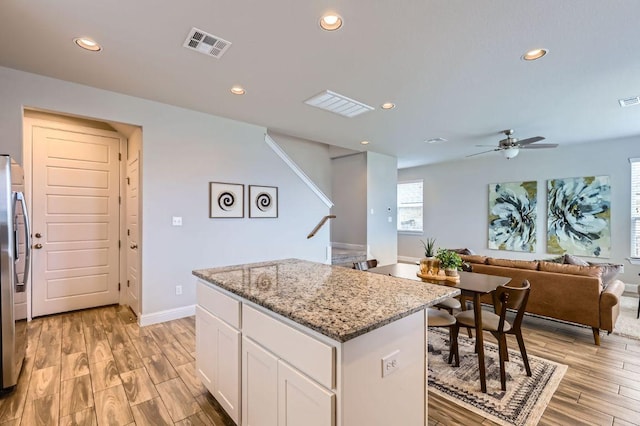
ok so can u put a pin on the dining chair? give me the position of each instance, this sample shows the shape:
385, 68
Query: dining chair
365, 264
504, 298
454, 303
439, 318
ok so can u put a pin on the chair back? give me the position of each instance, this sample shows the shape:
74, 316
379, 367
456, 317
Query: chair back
365, 264
514, 298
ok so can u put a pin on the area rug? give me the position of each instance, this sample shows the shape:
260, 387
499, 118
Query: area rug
524, 401
627, 325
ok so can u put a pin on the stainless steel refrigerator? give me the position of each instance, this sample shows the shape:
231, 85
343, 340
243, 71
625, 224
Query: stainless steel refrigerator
15, 250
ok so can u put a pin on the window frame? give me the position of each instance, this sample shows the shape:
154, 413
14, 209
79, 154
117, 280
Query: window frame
410, 231
634, 223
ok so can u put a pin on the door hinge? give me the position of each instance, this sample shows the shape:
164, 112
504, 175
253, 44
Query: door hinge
118, 286
128, 231
127, 283
119, 199
128, 181
119, 243
119, 156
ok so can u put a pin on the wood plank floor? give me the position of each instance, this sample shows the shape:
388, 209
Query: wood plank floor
97, 367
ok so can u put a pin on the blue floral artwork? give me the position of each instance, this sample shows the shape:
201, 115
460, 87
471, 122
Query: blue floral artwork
512, 216
579, 217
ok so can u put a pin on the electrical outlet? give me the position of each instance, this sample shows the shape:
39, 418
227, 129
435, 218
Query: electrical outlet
178, 290
176, 221
390, 363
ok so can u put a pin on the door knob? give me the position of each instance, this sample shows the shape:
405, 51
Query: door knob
38, 235
37, 246
133, 246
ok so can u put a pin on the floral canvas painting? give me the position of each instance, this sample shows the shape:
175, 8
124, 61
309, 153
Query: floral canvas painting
579, 217
512, 216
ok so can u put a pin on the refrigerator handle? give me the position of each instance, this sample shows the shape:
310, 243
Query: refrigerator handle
27, 239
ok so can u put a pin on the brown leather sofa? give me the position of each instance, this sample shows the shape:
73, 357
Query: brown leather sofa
565, 292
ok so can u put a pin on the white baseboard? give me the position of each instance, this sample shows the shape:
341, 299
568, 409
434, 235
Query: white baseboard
406, 259
168, 315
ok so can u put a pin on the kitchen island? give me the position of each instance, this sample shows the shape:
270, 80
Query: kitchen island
293, 342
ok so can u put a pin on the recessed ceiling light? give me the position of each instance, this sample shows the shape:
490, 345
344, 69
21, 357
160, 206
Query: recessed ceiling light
388, 105
238, 90
436, 140
364, 143
534, 54
331, 21
87, 43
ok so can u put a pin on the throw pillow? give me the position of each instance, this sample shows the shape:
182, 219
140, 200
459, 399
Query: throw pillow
574, 260
610, 271
473, 258
463, 251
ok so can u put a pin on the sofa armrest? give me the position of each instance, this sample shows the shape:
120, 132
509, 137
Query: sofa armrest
610, 305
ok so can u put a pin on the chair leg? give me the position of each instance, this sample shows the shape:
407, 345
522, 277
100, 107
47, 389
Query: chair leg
463, 307
453, 344
638, 314
523, 352
502, 349
596, 335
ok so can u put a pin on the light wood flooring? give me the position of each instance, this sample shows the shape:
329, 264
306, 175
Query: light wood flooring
97, 367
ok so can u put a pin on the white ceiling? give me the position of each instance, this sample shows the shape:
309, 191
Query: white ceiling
453, 67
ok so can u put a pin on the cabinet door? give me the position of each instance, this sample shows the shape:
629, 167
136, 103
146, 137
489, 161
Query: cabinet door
301, 401
227, 375
206, 327
259, 385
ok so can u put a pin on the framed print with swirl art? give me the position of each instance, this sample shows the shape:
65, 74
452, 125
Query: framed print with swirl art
226, 200
263, 201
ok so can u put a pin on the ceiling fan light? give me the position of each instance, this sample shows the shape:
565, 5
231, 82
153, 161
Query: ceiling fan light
510, 153
534, 54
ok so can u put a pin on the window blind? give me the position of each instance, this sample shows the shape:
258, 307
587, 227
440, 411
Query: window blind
410, 206
635, 207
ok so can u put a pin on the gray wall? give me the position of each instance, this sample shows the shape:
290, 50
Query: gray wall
349, 192
382, 188
456, 196
182, 151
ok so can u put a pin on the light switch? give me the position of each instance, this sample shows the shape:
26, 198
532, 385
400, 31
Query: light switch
390, 219
176, 221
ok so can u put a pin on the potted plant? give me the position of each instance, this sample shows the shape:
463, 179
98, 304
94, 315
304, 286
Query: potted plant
450, 261
429, 265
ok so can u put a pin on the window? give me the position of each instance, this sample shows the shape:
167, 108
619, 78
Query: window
635, 207
410, 206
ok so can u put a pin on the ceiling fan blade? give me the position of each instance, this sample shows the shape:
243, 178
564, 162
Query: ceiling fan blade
542, 145
488, 146
484, 152
530, 140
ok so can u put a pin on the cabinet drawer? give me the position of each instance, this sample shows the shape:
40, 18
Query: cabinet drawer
304, 352
224, 307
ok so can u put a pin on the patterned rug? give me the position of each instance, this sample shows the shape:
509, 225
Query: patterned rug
524, 401
627, 324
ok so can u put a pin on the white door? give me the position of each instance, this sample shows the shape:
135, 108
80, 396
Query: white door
259, 385
132, 289
75, 220
301, 401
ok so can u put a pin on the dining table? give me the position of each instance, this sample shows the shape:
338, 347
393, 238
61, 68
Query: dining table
471, 284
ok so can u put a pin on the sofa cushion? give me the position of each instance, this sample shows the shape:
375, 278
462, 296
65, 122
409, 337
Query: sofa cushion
574, 260
520, 264
559, 259
587, 271
610, 271
473, 258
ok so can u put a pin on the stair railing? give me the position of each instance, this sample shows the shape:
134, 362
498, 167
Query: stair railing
320, 224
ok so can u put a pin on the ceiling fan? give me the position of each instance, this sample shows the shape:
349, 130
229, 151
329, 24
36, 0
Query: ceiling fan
511, 146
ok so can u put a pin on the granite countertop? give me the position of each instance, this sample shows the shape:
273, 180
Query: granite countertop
338, 302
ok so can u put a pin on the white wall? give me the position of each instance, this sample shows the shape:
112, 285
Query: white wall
349, 192
382, 198
182, 151
456, 196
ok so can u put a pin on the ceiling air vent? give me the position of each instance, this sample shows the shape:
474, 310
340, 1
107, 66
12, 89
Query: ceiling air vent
629, 101
206, 43
339, 104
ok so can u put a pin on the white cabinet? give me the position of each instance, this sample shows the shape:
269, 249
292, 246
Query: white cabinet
259, 385
301, 401
218, 360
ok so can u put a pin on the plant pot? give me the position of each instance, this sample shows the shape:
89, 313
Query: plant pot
429, 266
451, 272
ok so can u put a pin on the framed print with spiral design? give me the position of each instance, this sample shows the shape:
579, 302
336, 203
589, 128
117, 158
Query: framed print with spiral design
226, 200
263, 201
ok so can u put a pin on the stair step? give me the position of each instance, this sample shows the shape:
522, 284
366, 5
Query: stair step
346, 257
